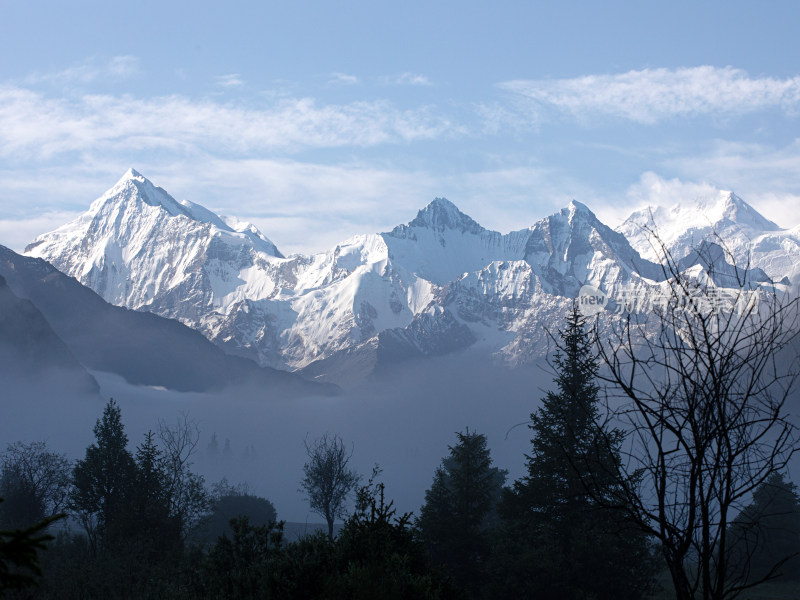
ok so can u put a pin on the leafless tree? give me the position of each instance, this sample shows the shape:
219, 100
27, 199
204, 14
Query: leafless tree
700, 382
35, 483
328, 480
189, 500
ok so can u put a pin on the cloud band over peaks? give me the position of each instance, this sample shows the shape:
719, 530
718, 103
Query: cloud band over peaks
652, 95
35, 125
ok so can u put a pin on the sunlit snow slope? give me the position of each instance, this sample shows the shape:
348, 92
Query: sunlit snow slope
438, 284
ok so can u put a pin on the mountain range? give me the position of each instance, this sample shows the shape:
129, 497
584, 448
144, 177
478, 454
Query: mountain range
439, 284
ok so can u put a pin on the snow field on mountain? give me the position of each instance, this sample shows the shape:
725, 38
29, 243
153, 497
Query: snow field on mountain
438, 283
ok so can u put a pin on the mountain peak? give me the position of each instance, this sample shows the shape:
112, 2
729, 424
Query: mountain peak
132, 174
577, 208
683, 223
737, 210
442, 214
718, 212
133, 187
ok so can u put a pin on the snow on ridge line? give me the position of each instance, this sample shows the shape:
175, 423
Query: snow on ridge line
748, 235
290, 311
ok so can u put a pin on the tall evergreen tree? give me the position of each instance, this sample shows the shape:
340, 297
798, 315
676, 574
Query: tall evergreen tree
560, 543
459, 508
147, 522
103, 478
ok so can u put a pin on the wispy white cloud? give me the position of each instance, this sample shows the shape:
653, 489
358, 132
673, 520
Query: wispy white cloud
743, 164
116, 68
406, 79
230, 80
18, 233
305, 207
766, 176
654, 190
652, 95
343, 79
32, 124
301, 206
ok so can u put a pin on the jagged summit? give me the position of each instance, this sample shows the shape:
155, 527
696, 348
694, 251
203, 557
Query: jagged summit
575, 216
442, 214
136, 241
572, 247
134, 188
683, 225
438, 283
721, 209
577, 209
736, 209
575, 206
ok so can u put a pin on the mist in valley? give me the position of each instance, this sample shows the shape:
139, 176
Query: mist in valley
402, 420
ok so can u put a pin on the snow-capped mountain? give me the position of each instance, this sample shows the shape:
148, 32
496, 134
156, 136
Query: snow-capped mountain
437, 284
722, 218
137, 244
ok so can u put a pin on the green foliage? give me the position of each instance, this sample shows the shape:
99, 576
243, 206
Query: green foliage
376, 556
126, 504
460, 509
557, 539
380, 556
151, 531
764, 539
307, 568
240, 566
19, 554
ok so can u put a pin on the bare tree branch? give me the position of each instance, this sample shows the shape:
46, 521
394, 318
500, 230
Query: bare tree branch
701, 386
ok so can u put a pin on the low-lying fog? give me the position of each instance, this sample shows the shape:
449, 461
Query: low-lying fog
403, 422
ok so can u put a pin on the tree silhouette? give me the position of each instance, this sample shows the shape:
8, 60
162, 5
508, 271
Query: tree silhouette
460, 507
764, 539
103, 477
575, 546
34, 482
327, 479
701, 382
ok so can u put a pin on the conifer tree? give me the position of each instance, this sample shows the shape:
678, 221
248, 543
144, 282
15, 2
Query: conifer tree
574, 547
103, 478
460, 507
147, 521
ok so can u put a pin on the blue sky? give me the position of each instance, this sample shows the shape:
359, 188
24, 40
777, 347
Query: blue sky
321, 120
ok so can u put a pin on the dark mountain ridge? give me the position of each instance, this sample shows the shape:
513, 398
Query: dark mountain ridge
142, 347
